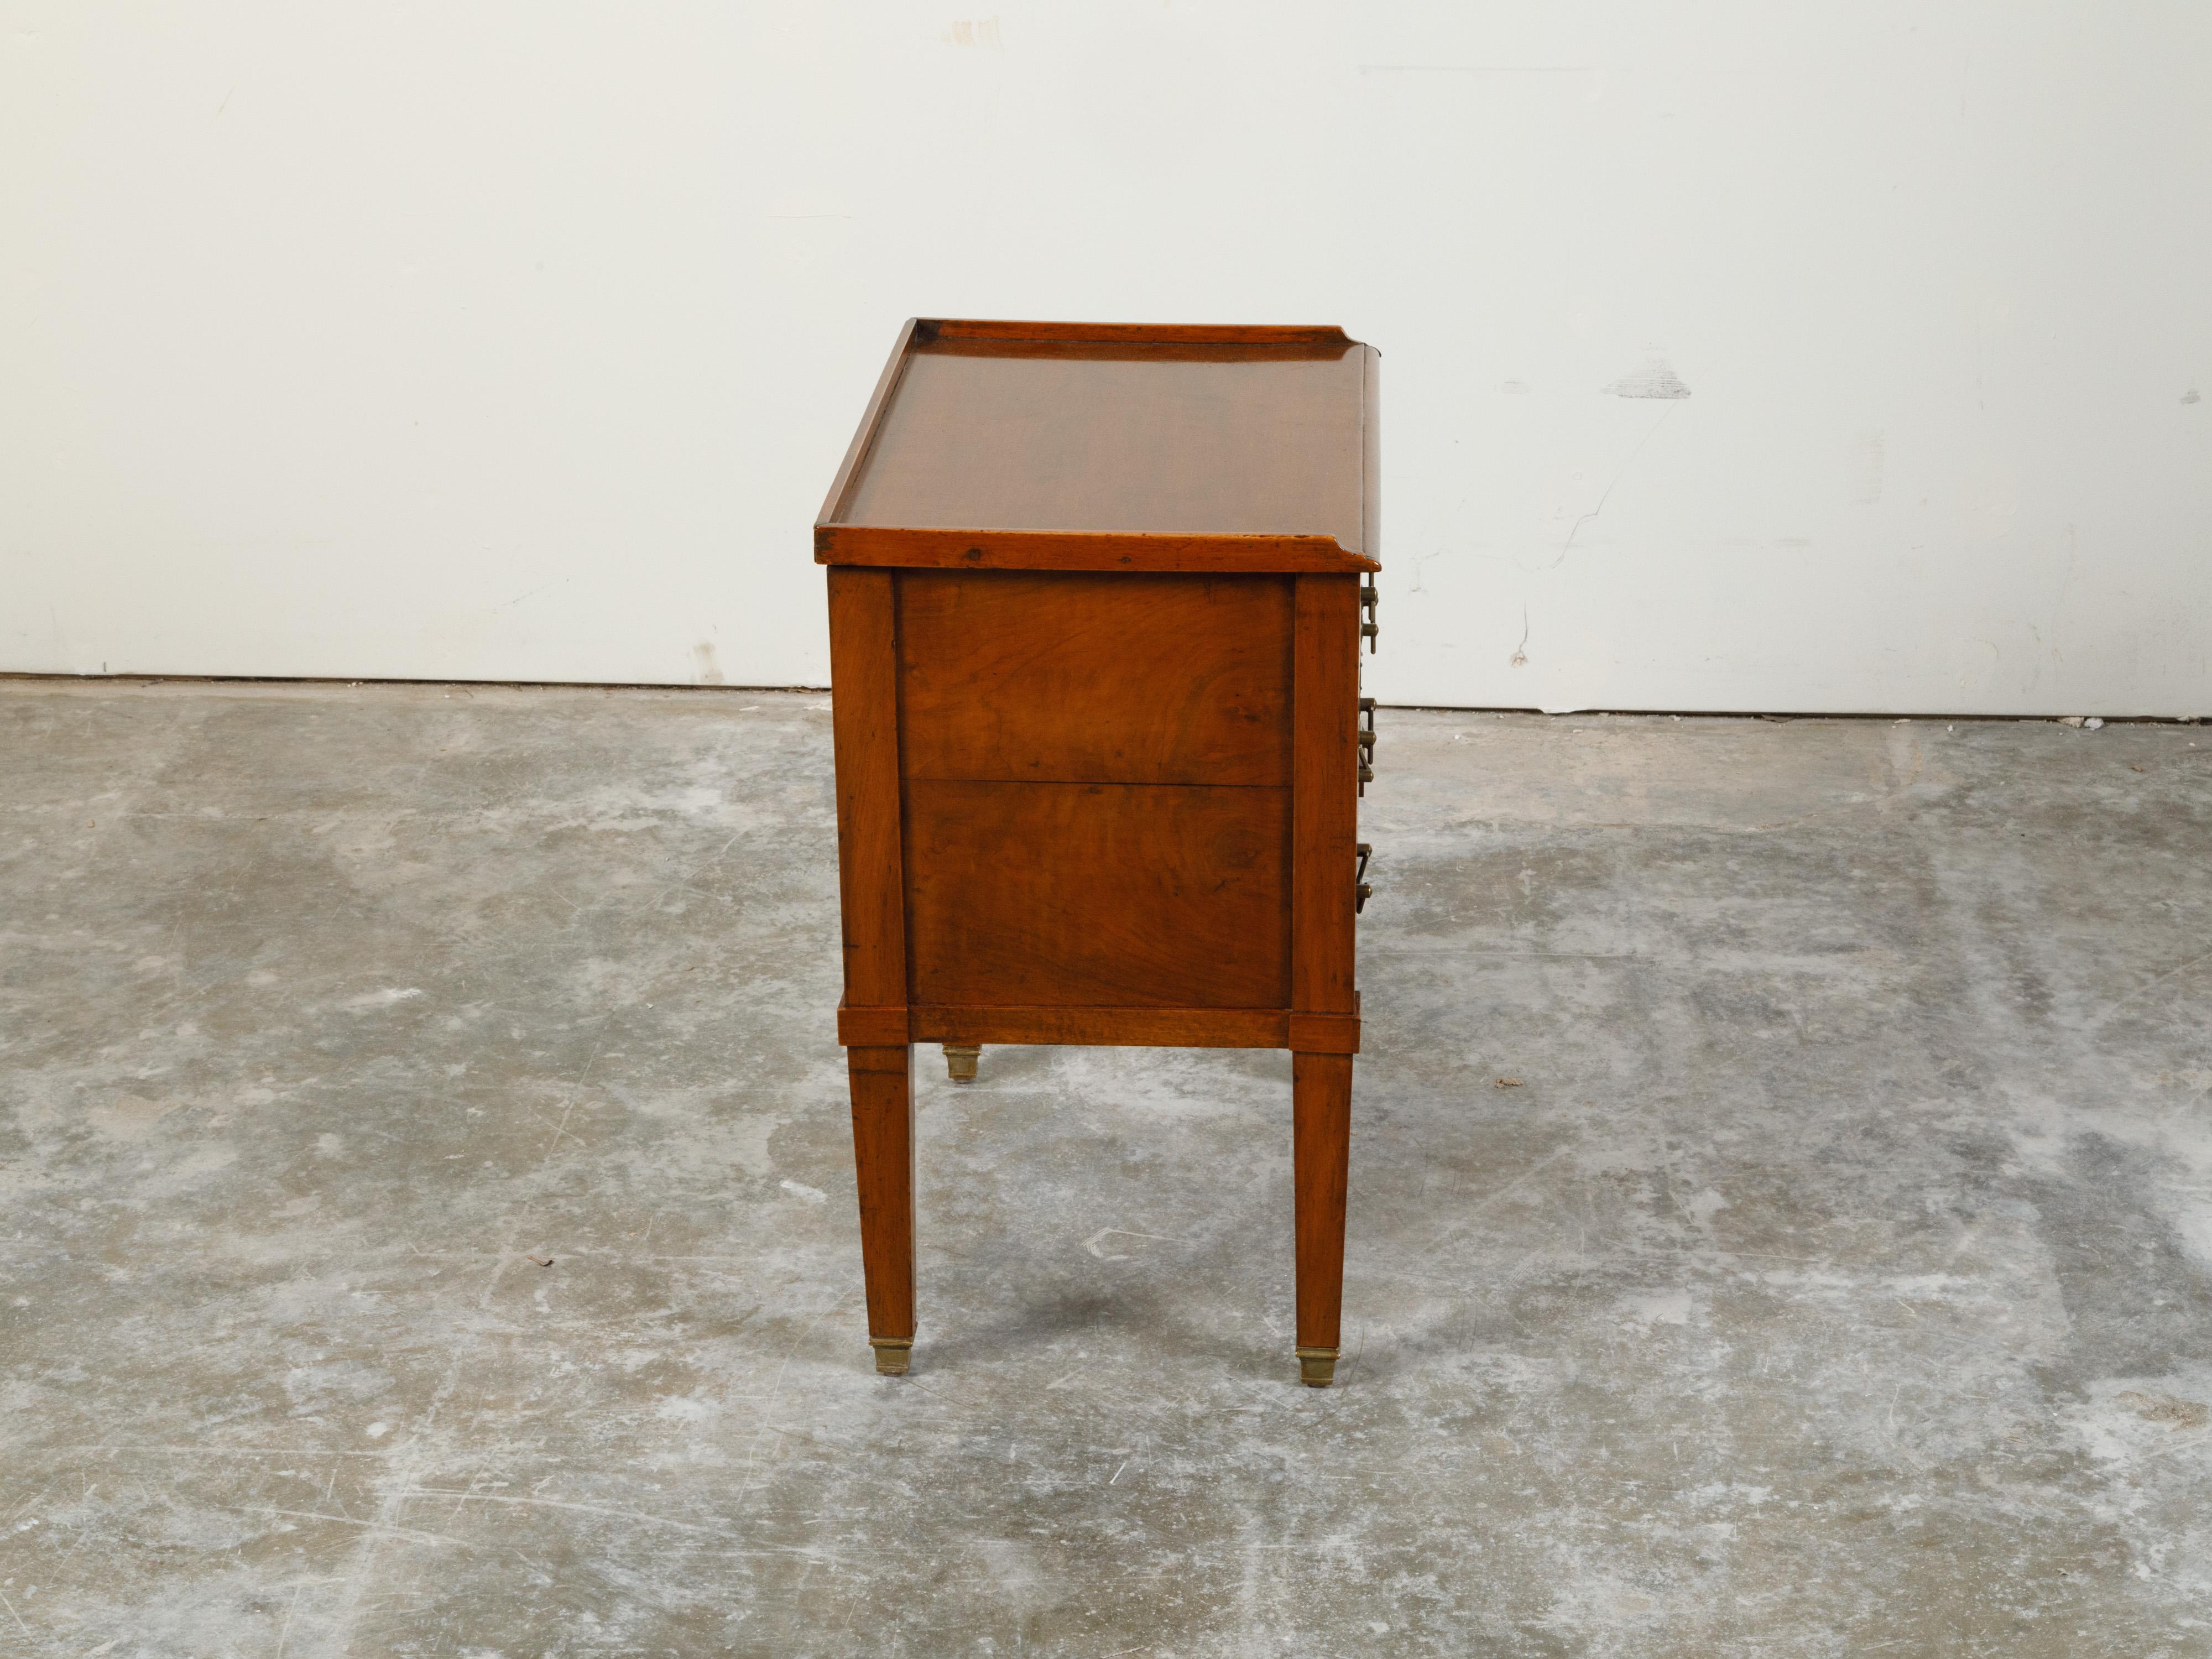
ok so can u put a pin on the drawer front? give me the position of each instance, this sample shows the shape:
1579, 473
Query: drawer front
1069, 678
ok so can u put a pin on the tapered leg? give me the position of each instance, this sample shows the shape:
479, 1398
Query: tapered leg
960, 1062
1320, 1145
883, 1154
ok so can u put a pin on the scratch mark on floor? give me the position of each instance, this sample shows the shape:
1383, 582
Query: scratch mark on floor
307, 1452
2149, 984
285, 1635
560, 1130
388, 1530
32, 1500
619, 1515
1499, 1197
387, 1523
767, 1409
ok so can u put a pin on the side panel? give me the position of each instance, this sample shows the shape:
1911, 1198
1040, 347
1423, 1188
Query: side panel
1039, 895
1073, 678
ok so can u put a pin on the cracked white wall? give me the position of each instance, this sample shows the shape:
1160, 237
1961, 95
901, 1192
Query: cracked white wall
1735, 357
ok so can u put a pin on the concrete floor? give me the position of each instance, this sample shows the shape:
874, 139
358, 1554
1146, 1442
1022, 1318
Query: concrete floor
427, 1220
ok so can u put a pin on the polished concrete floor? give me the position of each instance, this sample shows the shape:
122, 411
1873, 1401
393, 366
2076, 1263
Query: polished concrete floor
1781, 1216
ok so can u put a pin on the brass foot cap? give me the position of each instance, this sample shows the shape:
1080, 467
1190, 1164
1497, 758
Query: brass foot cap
891, 1354
960, 1062
1317, 1367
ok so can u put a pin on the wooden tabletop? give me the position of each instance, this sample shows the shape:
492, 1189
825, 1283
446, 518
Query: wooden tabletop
1130, 447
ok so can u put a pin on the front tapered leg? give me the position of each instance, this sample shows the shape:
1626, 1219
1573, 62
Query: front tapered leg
883, 1155
1320, 1145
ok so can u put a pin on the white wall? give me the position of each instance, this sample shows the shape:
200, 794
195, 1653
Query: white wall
520, 341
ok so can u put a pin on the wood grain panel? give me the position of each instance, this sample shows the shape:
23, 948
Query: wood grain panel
865, 434
864, 733
889, 546
1177, 444
1137, 1027
1095, 679
1227, 334
1326, 818
1058, 895
872, 1028
1323, 1034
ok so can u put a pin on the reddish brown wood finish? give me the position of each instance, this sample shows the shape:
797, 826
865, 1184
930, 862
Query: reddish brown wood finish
1226, 334
1094, 619
1111, 447
883, 1158
864, 731
1320, 1145
1029, 549
1120, 1027
873, 1028
1044, 677
1098, 894
1325, 819
1192, 442
1322, 1033
866, 431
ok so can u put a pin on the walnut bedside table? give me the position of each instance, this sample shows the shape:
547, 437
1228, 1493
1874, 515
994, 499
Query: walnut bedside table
1096, 598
